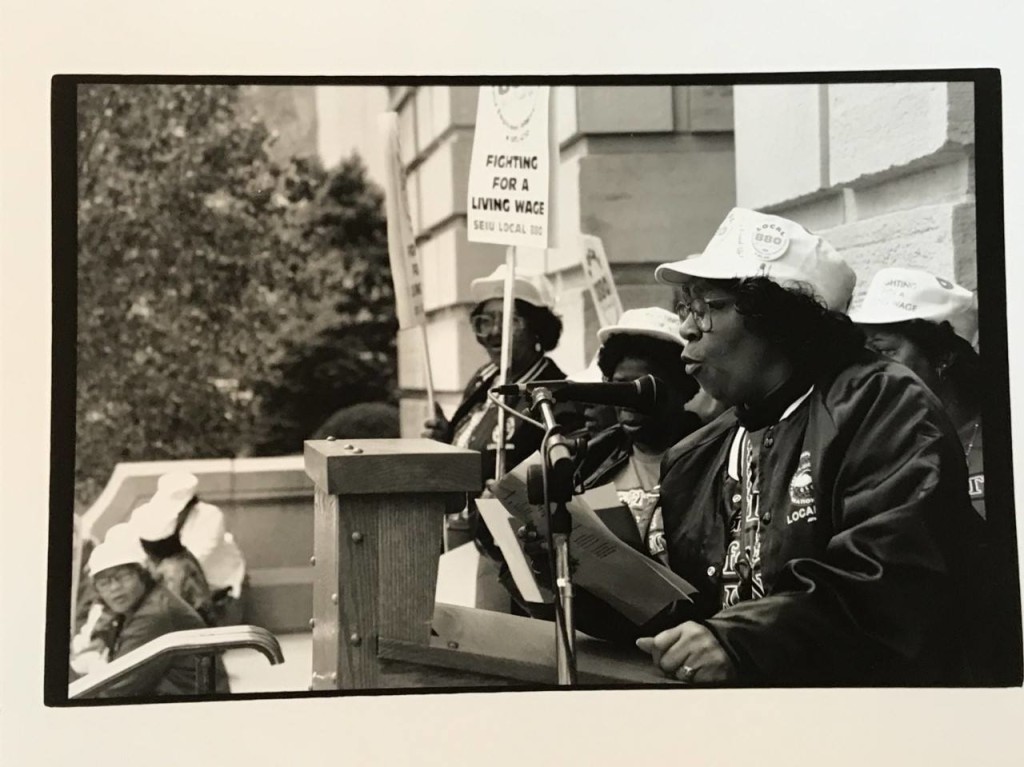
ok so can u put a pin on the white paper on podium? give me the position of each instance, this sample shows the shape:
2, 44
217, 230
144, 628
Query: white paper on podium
511, 491
632, 583
503, 528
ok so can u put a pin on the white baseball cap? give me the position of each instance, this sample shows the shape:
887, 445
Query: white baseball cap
899, 295
121, 550
155, 520
753, 244
120, 532
651, 321
532, 287
177, 485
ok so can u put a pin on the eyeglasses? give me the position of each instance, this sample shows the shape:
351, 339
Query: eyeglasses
699, 309
485, 324
106, 580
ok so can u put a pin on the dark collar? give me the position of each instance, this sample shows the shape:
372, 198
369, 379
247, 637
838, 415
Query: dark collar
769, 410
166, 547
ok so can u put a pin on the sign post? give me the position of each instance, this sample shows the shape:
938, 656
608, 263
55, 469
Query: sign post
509, 204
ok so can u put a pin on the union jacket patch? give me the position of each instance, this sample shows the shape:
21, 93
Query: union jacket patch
801, 492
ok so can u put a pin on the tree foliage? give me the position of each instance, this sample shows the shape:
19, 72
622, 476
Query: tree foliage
227, 303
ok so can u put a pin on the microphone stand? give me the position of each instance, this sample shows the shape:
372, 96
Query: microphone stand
557, 477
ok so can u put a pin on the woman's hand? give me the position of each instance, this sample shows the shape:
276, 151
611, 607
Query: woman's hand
438, 427
690, 653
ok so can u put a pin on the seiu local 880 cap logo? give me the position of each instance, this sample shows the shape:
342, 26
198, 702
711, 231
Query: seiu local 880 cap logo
515, 105
769, 241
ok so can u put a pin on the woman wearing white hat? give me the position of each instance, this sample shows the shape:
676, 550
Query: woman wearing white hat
825, 519
536, 330
643, 342
155, 524
142, 611
928, 324
176, 513
628, 455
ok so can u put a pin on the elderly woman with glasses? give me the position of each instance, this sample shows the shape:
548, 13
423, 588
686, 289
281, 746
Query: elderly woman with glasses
536, 330
138, 610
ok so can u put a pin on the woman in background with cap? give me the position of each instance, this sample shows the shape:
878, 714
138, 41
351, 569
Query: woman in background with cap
536, 330
824, 519
928, 324
201, 529
644, 342
142, 610
155, 524
628, 454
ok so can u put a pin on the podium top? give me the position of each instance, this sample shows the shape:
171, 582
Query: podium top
387, 466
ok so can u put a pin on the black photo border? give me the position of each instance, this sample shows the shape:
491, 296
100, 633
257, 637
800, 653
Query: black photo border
992, 289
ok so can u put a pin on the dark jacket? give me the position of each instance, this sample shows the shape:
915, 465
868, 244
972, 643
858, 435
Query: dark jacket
159, 612
607, 452
183, 576
522, 439
868, 563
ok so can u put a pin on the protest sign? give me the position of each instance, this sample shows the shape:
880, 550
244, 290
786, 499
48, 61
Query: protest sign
406, 271
509, 175
600, 281
402, 252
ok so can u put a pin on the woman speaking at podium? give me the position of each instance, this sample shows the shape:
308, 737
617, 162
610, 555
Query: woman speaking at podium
825, 518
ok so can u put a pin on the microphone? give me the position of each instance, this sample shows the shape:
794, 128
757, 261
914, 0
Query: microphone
645, 395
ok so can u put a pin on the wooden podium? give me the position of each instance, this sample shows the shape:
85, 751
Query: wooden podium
378, 511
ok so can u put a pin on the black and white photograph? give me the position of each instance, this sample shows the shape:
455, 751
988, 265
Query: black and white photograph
521, 383
475, 385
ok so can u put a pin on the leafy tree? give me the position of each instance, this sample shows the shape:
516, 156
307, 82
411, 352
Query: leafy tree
224, 299
340, 348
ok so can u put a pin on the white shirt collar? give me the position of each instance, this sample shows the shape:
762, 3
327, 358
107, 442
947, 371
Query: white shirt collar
741, 433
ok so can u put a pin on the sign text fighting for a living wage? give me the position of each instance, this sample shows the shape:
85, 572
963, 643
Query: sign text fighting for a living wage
509, 176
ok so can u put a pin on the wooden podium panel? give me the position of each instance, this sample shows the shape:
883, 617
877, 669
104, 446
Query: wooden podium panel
378, 512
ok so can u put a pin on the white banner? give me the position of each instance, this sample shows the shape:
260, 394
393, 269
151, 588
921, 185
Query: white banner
510, 173
600, 280
404, 257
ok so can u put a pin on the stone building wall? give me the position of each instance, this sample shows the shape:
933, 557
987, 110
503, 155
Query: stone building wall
649, 169
885, 171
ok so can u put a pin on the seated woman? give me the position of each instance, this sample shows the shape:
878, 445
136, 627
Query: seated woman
927, 324
141, 611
